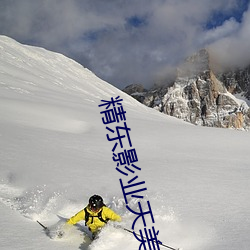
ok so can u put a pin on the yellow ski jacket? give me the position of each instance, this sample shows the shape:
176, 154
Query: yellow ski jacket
94, 223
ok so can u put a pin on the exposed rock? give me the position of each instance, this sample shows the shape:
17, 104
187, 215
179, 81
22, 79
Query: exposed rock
137, 91
237, 81
201, 97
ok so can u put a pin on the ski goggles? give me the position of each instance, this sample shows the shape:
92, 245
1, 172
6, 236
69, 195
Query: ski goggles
94, 208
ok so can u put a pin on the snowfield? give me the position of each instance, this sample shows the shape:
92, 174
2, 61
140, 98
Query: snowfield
54, 155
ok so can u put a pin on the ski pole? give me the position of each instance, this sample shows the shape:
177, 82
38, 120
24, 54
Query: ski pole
130, 231
45, 228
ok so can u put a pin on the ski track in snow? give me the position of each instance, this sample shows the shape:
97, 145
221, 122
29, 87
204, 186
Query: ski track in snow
37, 205
31, 204
40, 204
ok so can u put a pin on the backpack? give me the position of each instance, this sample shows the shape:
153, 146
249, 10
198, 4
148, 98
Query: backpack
99, 216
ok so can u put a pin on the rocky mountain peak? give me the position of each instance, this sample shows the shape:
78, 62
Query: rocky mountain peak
202, 97
196, 64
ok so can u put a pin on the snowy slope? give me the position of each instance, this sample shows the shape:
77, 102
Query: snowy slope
54, 155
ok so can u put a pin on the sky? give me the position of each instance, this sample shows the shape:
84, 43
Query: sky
133, 41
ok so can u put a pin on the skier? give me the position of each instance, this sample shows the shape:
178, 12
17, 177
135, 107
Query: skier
95, 214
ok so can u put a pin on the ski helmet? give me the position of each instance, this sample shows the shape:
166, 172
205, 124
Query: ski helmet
95, 202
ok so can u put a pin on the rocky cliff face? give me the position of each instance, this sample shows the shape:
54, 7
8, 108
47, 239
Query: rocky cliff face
237, 81
200, 96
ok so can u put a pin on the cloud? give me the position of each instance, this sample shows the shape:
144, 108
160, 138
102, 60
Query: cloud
228, 28
123, 42
233, 49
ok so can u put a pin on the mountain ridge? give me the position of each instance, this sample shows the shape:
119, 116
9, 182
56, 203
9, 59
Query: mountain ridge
201, 95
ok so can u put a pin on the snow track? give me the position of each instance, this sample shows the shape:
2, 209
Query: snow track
41, 204
32, 203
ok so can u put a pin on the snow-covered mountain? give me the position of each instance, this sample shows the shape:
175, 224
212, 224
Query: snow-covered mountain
55, 154
201, 95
